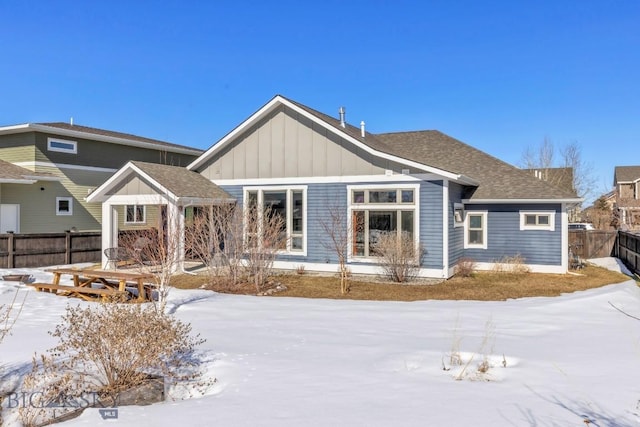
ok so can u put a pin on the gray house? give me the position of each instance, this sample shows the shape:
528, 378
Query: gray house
62, 163
454, 200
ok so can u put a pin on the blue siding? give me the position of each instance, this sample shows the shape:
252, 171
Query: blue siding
456, 235
322, 197
431, 223
504, 237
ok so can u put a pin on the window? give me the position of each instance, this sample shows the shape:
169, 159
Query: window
537, 220
374, 212
135, 214
475, 235
287, 203
62, 145
64, 206
458, 215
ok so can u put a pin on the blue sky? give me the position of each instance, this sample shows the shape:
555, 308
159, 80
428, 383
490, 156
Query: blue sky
499, 75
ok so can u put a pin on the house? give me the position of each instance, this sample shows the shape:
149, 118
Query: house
61, 163
454, 200
626, 180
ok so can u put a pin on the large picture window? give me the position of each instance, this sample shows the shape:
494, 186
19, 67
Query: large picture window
377, 211
287, 203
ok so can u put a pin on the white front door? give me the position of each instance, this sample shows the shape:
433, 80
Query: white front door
9, 218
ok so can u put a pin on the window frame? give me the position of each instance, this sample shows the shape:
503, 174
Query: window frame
290, 235
73, 150
61, 212
551, 226
467, 229
135, 206
366, 206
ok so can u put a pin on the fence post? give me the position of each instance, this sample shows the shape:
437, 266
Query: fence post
11, 242
67, 246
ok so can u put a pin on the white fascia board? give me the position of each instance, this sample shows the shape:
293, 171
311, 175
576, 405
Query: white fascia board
279, 100
96, 137
503, 201
137, 199
100, 193
43, 178
17, 181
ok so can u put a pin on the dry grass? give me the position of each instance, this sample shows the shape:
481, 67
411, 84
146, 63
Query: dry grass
482, 286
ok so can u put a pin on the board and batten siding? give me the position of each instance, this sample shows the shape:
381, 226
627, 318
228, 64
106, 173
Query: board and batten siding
285, 144
504, 237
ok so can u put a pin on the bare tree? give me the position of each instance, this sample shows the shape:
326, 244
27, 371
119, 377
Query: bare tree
338, 230
155, 251
213, 235
264, 236
544, 160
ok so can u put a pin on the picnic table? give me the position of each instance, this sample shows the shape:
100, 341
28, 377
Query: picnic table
113, 283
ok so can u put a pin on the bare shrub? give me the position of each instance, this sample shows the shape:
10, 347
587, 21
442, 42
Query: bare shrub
6, 319
213, 235
265, 235
511, 264
109, 348
156, 252
398, 255
337, 227
466, 267
300, 269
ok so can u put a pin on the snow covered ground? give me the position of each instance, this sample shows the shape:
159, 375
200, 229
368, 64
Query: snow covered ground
297, 362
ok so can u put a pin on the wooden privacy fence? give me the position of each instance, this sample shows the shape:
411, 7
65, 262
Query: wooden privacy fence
592, 243
43, 249
629, 250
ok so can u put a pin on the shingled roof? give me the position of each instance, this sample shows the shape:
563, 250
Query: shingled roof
10, 173
626, 174
497, 180
181, 182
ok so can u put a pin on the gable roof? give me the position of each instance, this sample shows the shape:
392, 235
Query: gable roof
86, 132
430, 151
626, 174
174, 182
12, 174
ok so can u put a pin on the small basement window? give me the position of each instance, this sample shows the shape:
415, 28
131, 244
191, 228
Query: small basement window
537, 220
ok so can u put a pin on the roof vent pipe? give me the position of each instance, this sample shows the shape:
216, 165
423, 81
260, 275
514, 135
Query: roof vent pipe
71, 121
362, 128
342, 112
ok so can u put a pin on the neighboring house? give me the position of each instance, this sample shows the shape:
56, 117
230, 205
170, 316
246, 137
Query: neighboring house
562, 178
64, 162
454, 200
626, 180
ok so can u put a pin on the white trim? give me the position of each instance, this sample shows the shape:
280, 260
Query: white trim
144, 214
65, 166
415, 207
445, 225
372, 269
564, 220
73, 150
503, 201
278, 100
17, 181
533, 268
137, 199
549, 227
485, 226
356, 179
64, 213
261, 189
